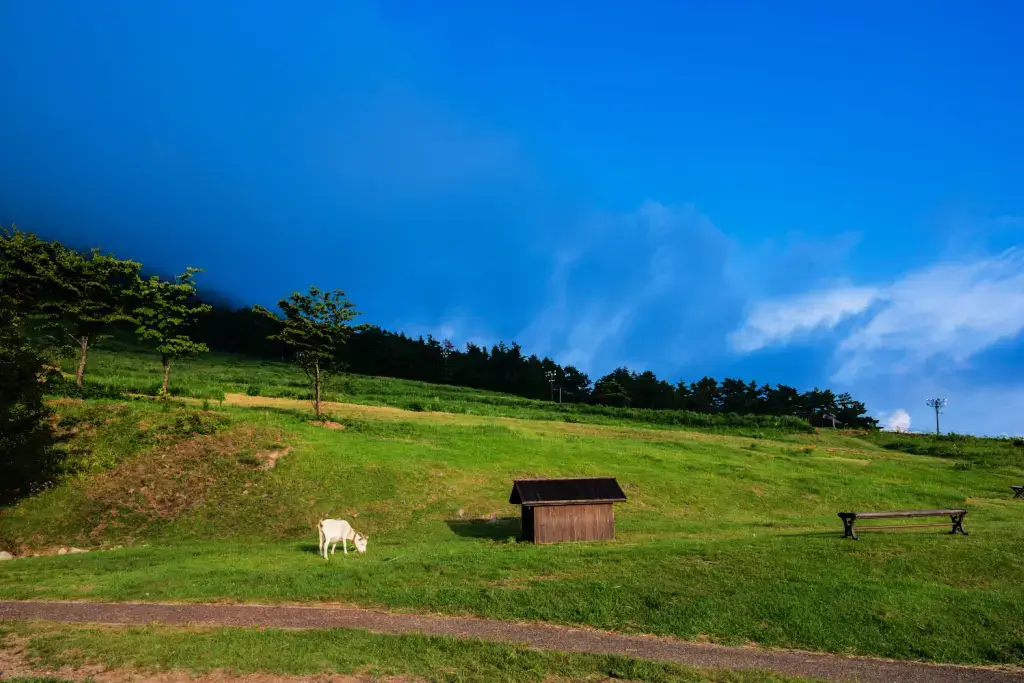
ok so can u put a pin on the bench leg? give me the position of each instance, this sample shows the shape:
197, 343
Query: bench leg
958, 524
848, 530
1018, 493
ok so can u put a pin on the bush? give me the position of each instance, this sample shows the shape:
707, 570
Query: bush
57, 385
252, 390
28, 462
197, 423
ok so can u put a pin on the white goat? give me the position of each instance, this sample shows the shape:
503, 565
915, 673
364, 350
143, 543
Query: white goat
334, 530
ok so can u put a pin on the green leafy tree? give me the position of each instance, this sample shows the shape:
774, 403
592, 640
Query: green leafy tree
610, 392
28, 272
166, 309
96, 295
315, 327
81, 295
27, 460
29, 283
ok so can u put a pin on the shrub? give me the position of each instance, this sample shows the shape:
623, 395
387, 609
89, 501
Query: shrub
198, 423
28, 462
57, 385
252, 390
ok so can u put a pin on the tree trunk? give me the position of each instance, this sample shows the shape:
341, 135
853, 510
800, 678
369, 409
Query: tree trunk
316, 390
167, 372
80, 375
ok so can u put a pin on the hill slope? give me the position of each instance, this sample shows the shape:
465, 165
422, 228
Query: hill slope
130, 369
723, 537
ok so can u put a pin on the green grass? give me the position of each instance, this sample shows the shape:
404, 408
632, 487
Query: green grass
722, 537
966, 451
341, 651
210, 376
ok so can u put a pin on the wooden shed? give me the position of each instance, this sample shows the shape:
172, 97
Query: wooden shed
556, 510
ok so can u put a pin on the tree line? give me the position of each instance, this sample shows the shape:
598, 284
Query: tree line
506, 368
58, 301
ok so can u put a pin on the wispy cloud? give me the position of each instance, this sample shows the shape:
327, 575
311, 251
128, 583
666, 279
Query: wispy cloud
952, 310
612, 271
774, 322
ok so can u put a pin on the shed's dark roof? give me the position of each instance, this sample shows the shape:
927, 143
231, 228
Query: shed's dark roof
553, 491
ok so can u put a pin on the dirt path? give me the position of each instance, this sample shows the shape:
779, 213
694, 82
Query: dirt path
541, 636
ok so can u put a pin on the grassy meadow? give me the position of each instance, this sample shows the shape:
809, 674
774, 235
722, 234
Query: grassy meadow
724, 538
217, 377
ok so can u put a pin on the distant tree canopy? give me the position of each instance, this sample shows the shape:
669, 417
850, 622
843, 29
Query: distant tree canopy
371, 350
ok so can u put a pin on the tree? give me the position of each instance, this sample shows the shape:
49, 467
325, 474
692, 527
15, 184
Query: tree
166, 309
315, 326
92, 293
28, 283
28, 272
609, 392
27, 460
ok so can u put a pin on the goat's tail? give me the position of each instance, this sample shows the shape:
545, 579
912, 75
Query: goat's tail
320, 528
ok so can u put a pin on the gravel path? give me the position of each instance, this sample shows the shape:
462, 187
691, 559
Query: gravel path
541, 636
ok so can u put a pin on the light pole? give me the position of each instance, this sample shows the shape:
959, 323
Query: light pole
938, 404
550, 374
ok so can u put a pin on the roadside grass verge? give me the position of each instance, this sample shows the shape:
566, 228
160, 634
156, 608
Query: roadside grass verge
342, 651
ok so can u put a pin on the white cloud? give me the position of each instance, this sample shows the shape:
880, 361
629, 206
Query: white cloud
775, 322
897, 421
951, 310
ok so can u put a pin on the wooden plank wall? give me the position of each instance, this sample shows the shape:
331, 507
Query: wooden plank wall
555, 523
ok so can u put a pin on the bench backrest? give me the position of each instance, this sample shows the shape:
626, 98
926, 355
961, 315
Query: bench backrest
908, 513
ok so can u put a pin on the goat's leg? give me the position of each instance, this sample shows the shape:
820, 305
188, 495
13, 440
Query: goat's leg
344, 545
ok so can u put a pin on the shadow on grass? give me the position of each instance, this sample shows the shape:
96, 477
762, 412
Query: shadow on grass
496, 529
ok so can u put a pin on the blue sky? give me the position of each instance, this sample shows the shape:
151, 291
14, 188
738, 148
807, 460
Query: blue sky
802, 192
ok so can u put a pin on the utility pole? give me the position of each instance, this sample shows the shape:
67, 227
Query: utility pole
938, 404
550, 374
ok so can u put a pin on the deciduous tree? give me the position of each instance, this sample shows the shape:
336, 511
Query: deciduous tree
315, 327
27, 460
165, 311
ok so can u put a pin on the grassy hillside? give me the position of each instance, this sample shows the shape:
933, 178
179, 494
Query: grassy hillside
130, 369
723, 537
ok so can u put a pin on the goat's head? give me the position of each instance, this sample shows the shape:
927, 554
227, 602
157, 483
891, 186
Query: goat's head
361, 542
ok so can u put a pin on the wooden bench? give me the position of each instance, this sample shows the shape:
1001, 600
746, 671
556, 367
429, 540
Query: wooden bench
850, 519
1018, 491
